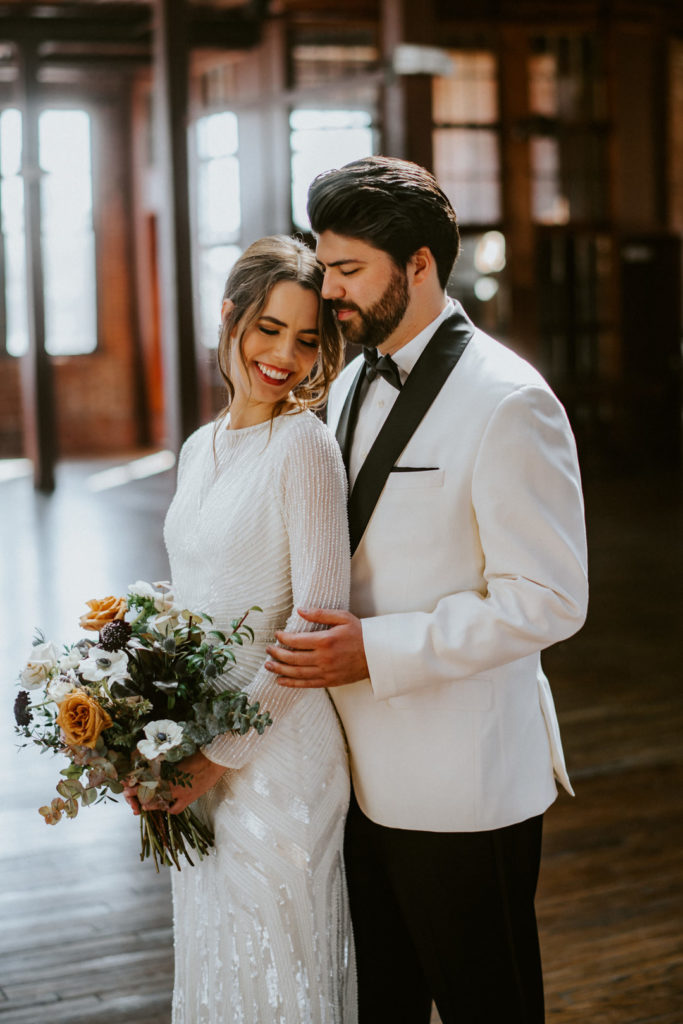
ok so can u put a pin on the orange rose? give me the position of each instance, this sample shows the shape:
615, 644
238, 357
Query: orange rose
81, 719
107, 609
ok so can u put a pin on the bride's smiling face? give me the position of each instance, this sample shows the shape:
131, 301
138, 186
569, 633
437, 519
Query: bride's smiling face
275, 354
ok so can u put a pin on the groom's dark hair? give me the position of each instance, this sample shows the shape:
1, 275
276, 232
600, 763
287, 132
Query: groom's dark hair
394, 205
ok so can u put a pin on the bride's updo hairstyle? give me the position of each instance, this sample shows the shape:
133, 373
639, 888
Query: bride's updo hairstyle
263, 265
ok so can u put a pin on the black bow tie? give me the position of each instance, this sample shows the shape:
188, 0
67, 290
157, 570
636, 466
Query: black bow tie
381, 366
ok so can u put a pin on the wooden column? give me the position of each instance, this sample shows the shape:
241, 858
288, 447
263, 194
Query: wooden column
407, 101
516, 189
36, 368
181, 379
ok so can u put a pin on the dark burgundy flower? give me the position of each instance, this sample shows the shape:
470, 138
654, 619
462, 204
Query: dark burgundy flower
22, 709
115, 635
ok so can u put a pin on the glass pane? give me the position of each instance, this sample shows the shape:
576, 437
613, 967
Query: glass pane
543, 85
480, 281
313, 64
66, 204
219, 208
567, 77
217, 135
214, 266
70, 288
548, 204
321, 139
68, 239
64, 140
312, 120
466, 163
10, 143
470, 94
12, 204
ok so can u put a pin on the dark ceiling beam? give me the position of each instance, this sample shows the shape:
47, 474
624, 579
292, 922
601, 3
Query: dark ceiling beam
231, 28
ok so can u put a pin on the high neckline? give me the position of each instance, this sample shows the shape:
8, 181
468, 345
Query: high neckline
252, 429
234, 434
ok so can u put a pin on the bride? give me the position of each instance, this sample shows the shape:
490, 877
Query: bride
262, 927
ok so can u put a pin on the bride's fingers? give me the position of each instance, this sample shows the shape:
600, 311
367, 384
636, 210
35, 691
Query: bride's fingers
131, 799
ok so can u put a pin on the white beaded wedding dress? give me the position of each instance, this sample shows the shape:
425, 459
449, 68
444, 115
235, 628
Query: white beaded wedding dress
262, 926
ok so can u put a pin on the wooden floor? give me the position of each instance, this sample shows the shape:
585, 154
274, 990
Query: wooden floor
85, 935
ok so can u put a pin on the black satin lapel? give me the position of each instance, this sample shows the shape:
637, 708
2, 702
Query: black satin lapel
419, 391
348, 416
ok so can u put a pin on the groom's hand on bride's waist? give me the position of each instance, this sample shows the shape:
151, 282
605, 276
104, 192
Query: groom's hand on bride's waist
331, 657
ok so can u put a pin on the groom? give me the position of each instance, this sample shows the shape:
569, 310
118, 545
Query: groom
469, 558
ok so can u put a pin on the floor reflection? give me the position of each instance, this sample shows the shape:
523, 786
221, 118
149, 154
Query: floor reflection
86, 927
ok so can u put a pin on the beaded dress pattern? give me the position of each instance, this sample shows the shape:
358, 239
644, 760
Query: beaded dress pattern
261, 926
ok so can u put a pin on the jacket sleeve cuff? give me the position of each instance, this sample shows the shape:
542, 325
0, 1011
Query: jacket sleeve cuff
377, 641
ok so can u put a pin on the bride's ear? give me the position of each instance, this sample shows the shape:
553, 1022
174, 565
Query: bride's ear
227, 307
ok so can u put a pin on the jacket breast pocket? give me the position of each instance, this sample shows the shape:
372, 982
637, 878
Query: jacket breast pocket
402, 478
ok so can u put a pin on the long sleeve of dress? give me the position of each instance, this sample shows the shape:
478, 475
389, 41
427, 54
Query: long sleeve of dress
312, 490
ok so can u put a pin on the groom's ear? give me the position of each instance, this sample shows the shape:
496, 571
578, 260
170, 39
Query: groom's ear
421, 264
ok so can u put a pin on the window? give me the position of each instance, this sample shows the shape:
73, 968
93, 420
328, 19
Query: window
68, 239
321, 139
12, 218
67, 230
568, 144
219, 215
314, 64
465, 136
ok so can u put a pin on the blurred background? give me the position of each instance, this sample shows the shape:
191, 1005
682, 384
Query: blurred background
143, 146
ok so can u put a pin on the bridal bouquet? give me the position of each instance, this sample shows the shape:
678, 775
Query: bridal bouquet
126, 708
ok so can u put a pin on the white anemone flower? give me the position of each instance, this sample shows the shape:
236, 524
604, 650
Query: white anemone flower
61, 685
101, 664
161, 736
40, 665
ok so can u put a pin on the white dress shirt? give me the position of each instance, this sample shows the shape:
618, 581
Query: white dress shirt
381, 395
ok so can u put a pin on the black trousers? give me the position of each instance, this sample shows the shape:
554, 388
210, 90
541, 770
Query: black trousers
445, 916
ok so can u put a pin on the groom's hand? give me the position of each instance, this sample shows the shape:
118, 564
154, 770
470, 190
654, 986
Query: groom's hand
331, 657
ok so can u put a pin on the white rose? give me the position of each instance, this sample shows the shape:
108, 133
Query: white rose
101, 664
142, 589
161, 736
71, 659
40, 665
58, 687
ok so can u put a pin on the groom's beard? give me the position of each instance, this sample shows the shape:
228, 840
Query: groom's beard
374, 325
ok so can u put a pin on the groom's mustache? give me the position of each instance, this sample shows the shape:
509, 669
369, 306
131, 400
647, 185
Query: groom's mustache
336, 306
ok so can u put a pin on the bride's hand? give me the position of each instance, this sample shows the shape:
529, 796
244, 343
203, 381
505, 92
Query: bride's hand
131, 798
203, 775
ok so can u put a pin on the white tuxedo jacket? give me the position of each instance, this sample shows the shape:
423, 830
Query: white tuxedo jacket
465, 572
